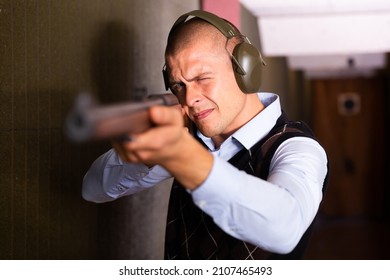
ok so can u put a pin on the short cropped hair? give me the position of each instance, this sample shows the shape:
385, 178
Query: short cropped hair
183, 34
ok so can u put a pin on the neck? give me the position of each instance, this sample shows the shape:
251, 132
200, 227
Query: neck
253, 107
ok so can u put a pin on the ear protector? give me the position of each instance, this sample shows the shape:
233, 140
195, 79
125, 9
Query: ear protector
246, 58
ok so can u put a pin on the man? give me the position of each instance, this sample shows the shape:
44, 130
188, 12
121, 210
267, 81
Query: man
248, 183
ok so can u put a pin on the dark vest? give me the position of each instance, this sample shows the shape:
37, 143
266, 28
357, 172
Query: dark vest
192, 234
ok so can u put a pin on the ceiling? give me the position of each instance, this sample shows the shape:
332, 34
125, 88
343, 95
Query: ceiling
320, 35
262, 8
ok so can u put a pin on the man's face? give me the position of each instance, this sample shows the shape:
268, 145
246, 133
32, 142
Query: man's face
202, 77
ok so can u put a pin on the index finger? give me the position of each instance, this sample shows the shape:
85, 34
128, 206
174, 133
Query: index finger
162, 115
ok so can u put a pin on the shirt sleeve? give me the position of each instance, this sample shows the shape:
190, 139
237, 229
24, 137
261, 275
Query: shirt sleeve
110, 178
274, 213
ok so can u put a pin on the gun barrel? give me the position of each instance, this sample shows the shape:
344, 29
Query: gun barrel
88, 121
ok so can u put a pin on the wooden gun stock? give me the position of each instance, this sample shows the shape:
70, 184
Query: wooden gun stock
88, 121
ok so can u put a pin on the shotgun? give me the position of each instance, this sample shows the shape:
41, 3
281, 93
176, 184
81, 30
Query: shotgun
89, 121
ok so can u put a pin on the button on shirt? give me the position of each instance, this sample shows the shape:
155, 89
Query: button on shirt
272, 214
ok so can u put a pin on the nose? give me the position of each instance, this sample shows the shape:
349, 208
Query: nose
193, 96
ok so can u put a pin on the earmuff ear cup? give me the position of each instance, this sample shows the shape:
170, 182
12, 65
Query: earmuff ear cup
166, 78
249, 57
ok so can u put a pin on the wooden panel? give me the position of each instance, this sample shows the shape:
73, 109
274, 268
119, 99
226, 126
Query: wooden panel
349, 121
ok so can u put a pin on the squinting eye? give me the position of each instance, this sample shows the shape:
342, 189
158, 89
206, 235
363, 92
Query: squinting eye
178, 88
203, 80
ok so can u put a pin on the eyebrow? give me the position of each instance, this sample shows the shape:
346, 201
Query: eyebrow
192, 79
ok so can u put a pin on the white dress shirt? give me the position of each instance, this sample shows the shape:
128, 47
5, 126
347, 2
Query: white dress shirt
271, 214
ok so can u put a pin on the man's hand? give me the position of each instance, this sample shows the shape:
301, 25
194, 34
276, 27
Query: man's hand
168, 144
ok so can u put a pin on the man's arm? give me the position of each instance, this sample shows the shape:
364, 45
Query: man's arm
170, 145
272, 214
109, 178
167, 148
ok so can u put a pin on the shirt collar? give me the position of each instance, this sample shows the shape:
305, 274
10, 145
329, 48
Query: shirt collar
256, 128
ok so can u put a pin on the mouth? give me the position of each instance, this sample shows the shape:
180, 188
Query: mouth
202, 115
